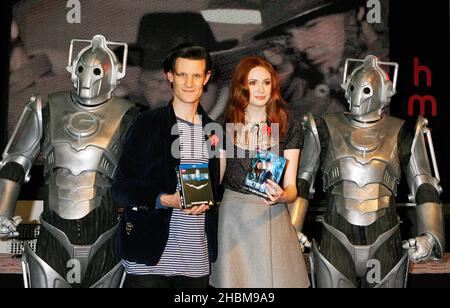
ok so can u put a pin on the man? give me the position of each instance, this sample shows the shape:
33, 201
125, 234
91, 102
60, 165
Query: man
80, 134
308, 42
26, 73
161, 244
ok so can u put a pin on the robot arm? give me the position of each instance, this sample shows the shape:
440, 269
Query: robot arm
297, 211
310, 157
425, 190
18, 157
309, 165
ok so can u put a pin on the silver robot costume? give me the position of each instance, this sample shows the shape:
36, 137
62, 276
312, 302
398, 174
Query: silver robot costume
361, 155
80, 136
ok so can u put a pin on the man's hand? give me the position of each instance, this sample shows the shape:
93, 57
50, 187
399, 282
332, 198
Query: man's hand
303, 241
8, 226
172, 200
419, 248
197, 210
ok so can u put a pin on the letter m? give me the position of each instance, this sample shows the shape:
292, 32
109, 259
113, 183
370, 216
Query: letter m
422, 100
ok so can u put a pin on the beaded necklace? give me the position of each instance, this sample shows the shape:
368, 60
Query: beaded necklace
254, 136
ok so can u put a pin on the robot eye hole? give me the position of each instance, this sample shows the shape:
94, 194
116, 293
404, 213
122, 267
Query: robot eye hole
97, 71
352, 88
366, 90
80, 69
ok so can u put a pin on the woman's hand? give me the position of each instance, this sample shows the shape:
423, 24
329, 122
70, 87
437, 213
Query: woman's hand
275, 193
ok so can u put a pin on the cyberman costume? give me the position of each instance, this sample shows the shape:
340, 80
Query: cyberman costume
361, 155
80, 136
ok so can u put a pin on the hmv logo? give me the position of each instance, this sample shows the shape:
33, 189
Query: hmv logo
422, 101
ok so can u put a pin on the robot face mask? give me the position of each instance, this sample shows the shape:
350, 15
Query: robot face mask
91, 72
95, 71
368, 89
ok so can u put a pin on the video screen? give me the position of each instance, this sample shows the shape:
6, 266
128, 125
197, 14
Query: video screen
306, 41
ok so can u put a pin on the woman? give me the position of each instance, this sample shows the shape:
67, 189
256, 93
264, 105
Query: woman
258, 245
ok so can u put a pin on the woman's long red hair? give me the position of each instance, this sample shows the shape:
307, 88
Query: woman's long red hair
238, 99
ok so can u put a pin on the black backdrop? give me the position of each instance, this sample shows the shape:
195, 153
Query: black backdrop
422, 30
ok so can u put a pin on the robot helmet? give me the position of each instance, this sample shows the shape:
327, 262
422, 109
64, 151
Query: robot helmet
96, 70
368, 89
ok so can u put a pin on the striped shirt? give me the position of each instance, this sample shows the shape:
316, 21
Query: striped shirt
186, 252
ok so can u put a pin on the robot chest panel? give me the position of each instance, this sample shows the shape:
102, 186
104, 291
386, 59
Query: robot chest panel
80, 141
362, 155
80, 130
364, 151
363, 144
82, 125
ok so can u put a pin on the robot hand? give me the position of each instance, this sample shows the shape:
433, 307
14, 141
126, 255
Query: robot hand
8, 226
303, 241
419, 248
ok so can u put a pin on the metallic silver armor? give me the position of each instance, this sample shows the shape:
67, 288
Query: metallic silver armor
81, 145
38, 274
430, 223
81, 150
297, 212
24, 146
325, 275
309, 164
419, 171
361, 169
368, 89
95, 72
9, 191
429, 214
361, 254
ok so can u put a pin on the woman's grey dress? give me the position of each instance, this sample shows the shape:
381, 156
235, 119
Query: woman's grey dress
258, 245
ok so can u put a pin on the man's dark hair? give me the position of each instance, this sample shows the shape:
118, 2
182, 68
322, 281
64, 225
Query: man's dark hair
187, 51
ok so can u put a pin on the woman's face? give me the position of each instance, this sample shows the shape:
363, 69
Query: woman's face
259, 83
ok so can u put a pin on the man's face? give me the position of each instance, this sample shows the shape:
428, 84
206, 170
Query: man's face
322, 39
188, 80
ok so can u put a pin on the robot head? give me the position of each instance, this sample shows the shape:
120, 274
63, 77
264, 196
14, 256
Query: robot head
368, 89
96, 70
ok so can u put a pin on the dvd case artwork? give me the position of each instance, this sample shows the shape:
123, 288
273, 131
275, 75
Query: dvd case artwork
194, 185
265, 166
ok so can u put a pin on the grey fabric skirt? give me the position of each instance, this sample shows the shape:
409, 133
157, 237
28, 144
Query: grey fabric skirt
258, 246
